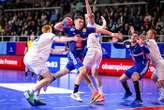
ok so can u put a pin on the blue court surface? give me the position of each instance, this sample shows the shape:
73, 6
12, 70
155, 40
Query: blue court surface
57, 97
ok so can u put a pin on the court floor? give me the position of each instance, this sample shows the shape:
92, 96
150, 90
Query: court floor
57, 96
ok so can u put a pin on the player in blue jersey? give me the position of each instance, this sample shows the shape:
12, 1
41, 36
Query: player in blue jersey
76, 48
136, 72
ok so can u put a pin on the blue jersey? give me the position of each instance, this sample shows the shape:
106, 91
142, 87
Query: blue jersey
75, 53
70, 32
139, 53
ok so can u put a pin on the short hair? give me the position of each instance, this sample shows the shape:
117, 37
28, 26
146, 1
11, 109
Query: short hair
78, 17
153, 31
46, 28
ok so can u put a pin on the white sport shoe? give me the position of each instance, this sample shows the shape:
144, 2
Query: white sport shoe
76, 96
161, 98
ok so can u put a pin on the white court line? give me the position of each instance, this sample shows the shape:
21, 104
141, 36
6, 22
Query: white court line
26, 86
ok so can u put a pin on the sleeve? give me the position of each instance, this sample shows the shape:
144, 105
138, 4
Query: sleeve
145, 49
90, 28
66, 29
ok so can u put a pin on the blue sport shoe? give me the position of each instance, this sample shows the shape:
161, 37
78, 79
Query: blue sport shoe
38, 102
137, 102
126, 95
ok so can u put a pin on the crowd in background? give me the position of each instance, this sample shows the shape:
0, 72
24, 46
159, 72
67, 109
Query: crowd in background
118, 18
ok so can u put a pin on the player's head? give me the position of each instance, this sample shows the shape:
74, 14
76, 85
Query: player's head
134, 37
151, 34
79, 22
46, 28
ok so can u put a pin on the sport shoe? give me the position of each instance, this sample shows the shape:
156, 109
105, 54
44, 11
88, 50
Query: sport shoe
39, 102
137, 102
94, 97
161, 98
100, 98
30, 97
76, 96
126, 95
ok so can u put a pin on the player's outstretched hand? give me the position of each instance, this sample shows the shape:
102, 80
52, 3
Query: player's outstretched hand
117, 35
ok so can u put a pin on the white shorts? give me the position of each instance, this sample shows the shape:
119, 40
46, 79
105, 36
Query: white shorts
35, 65
93, 58
159, 70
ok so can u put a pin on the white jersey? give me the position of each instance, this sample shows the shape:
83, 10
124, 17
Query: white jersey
156, 58
154, 52
93, 56
41, 47
93, 41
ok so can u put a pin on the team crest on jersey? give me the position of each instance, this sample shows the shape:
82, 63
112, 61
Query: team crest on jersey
84, 30
72, 29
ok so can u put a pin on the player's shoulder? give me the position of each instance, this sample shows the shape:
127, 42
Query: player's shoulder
90, 25
69, 29
48, 34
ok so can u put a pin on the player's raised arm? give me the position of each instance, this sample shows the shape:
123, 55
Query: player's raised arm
106, 32
103, 26
89, 13
59, 26
67, 22
67, 39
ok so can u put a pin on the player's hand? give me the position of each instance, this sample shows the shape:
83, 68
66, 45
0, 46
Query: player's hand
160, 83
117, 35
102, 18
103, 22
67, 49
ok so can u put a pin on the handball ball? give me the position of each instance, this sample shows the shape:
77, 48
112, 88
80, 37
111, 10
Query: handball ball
68, 21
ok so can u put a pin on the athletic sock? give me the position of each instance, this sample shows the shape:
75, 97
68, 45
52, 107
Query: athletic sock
76, 88
126, 87
137, 90
100, 90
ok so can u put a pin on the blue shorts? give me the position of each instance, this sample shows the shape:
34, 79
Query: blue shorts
74, 62
140, 68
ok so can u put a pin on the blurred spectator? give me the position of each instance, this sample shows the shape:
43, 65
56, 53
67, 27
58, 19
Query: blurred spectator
118, 18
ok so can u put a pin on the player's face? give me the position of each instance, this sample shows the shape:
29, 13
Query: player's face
149, 34
79, 23
134, 38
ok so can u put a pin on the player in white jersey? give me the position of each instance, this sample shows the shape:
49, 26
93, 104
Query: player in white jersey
35, 59
92, 61
94, 48
157, 61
